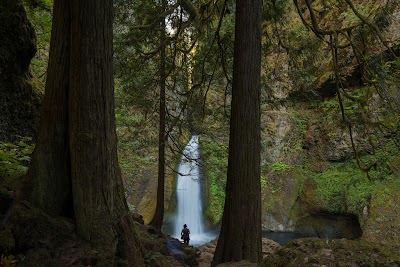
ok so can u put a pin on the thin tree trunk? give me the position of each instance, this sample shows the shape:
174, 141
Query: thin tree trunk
159, 213
240, 236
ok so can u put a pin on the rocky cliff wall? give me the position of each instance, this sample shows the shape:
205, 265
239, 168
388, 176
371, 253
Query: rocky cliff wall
19, 104
314, 162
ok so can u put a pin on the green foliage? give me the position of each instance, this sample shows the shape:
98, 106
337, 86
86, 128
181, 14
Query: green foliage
7, 261
345, 187
382, 159
263, 181
40, 15
137, 136
389, 186
349, 18
329, 104
215, 161
306, 76
358, 195
331, 188
15, 157
274, 10
279, 166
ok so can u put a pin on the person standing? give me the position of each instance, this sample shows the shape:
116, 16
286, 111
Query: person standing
185, 234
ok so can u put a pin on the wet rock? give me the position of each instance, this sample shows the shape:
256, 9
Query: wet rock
238, 264
175, 249
340, 252
207, 252
329, 226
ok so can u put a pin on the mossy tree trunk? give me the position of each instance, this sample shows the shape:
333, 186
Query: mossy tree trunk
240, 236
75, 164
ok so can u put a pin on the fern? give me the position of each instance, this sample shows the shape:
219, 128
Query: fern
7, 261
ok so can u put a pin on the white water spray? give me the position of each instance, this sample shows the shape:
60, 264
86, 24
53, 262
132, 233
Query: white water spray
188, 195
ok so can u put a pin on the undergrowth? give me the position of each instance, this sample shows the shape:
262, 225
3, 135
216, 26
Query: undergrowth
215, 157
345, 187
15, 157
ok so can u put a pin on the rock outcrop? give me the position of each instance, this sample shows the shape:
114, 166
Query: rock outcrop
19, 104
314, 161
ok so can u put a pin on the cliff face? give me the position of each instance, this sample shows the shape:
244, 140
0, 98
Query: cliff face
18, 102
315, 162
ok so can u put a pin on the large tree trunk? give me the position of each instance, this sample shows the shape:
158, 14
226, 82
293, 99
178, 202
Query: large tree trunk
159, 213
240, 236
49, 168
77, 149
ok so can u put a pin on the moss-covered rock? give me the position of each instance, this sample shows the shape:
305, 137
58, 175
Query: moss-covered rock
383, 215
329, 226
19, 103
341, 252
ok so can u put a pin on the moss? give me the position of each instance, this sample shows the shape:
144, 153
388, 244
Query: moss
215, 159
331, 188
279, 166
383, 213
20, 108
344, 187
395, 165
14, 161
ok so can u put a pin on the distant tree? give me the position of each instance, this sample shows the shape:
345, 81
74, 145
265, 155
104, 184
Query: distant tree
162, 135
74, 169
240, 236
152, 51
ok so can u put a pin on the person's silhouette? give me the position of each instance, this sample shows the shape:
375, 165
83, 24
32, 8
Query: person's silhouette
185, 234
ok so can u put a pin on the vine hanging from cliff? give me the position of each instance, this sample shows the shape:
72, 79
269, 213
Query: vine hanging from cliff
343, 36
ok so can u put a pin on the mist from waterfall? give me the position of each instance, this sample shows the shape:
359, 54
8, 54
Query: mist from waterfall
188, 196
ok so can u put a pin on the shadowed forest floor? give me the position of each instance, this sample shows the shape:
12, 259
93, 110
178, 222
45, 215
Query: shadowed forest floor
35, 239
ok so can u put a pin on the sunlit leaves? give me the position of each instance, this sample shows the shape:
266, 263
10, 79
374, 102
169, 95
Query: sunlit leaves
40, 15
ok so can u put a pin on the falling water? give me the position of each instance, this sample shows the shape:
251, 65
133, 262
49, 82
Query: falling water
188, 195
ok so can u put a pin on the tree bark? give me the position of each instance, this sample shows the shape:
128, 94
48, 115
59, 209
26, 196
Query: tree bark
77, 149
162, 136
48, 172
240, 236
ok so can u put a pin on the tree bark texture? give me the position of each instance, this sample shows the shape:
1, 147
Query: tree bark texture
77, 151
49, 168
162, 135
240, 236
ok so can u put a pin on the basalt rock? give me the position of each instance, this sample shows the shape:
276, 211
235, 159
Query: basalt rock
329, 226
19, 104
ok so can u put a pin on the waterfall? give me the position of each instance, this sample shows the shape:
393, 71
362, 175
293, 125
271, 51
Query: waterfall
188, 191
188, 196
